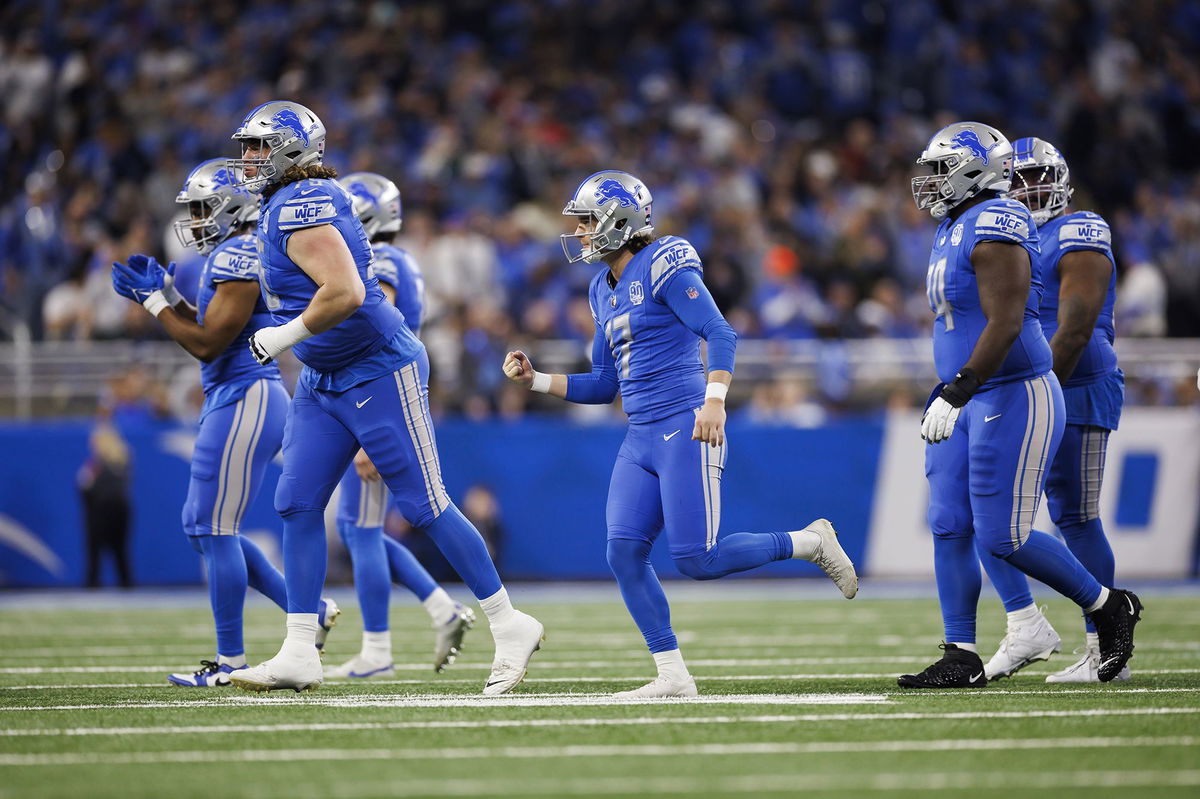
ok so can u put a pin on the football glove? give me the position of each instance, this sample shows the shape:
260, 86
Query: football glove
267, 343
941, 416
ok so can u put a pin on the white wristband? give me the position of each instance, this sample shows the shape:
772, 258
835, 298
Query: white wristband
156, 303
171, 294
716, 391
541, 382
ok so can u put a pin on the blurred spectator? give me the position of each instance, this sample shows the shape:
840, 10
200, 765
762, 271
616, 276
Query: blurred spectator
104, 489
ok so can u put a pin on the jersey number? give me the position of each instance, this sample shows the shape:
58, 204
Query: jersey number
935, 290
620, 336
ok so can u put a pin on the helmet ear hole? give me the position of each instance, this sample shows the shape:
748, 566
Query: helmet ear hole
972, 174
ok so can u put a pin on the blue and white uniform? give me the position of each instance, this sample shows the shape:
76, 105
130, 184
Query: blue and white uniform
1093, 395
985, 481
363, 384
361, 503
241, 422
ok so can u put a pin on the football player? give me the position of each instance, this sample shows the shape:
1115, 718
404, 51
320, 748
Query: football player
241, 421
997, 418
651, 310
364, 384
1080, 276
379, 560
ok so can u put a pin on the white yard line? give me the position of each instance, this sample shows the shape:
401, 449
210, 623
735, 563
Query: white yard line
577, 722
596, 750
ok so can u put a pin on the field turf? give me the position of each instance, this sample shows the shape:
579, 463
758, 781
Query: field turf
798, 698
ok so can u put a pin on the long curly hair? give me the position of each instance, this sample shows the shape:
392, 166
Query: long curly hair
296, 173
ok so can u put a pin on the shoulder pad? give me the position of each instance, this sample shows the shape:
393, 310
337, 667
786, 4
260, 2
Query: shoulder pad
386, 268
1004, 219
1085, 229
670, 256
308, 203
236, 259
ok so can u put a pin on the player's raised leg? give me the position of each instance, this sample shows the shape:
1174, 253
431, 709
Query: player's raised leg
396, 432
955, 566
690, 474
312, 464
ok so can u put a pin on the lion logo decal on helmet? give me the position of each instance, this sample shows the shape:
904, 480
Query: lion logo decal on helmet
970, 140
287, 118
613, 190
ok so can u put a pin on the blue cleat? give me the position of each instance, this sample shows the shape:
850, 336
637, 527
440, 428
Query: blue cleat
210, 675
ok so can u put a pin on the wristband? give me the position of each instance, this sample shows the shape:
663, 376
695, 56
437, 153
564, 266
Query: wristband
962, 389
541, 382
171, 294
716, 390
156, 303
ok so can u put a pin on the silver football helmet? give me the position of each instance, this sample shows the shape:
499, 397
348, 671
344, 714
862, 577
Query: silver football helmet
966, 158
376, 202
617, 204
216, 206
290, 134
1041, 179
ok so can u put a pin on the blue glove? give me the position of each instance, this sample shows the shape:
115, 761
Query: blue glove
141, 277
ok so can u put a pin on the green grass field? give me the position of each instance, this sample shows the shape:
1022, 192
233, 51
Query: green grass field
798, 697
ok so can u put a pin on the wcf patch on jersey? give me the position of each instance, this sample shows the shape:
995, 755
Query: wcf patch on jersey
636, 293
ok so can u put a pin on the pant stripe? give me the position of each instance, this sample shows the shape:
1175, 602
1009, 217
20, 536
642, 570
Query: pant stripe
1032, 462
372, 504
233, 477
712, 463
1091, 471
408, 381
260, 394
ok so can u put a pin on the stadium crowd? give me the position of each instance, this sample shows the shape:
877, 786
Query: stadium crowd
778, 136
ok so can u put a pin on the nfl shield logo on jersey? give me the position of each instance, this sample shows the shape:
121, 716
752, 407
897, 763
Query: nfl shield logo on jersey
636, 295
692, 292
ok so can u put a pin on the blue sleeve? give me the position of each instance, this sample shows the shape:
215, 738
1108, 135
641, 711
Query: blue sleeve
598, 387
688, 298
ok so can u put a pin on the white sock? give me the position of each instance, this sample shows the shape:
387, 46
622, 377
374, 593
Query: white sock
233, 661
671, 665
961, 645
497, 607
1018, 617
1092, 640
377, 646
805, 544
1100, 600
302, 629
440, 606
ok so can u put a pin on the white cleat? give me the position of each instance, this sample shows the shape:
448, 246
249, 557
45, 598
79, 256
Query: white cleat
448, 637
1033, 641
660, 688
515, 644
1086, 669
326, 619
285, 670
833, 559
361, 667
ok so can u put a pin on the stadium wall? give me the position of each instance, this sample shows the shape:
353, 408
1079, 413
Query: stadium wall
550, 477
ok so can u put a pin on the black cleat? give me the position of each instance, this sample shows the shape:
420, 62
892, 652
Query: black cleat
1114, 626
958, 668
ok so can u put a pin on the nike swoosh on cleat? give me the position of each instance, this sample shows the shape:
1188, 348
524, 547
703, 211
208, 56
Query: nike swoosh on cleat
977, 676
1128, 601
1105, 663
987, 419
364, 402
494, 682
669, 437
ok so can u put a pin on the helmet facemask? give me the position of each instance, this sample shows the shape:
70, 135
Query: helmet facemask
1044, 190
216, 207
607, 234
282, 134
966, 158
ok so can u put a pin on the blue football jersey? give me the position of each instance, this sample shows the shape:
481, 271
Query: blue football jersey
236, 258
288, 290
1081, 230
656, 355
399, 269
954, 293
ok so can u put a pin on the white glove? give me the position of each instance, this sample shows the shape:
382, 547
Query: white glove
269, 342
938, 423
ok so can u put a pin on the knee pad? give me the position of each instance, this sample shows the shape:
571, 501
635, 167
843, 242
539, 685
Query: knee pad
622, 553
950, 520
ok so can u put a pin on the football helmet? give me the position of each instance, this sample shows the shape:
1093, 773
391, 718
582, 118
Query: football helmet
1041, 179
376, 202
617, 203
291, 135
216, 207
966, 158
